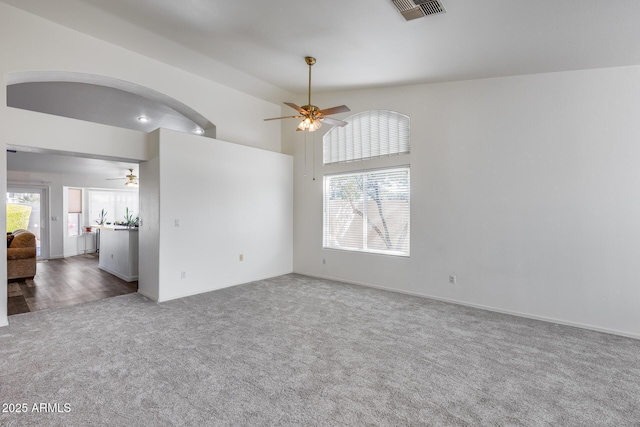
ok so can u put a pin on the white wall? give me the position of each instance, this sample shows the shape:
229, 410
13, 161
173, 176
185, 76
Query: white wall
229, 200
29, 43
149, 230
525, 188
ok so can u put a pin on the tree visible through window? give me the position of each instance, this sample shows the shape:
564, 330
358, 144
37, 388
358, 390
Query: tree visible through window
368, 211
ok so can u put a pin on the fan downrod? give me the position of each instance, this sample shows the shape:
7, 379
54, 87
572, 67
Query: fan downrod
310, 60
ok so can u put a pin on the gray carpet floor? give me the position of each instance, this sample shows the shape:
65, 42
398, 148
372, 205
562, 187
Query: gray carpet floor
295, 350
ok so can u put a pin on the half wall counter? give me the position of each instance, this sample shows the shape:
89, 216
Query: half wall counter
119, 252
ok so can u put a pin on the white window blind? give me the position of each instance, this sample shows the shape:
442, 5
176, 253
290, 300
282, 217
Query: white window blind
369, 134
368, 211
74, 200
114, 203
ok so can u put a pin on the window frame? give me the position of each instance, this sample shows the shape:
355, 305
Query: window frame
116, 200
326, 229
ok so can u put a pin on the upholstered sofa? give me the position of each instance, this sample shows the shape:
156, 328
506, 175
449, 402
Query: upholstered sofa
21, 255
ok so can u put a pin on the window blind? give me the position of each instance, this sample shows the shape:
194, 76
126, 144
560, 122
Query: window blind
368, 211
114, 203
74, 200
369, 134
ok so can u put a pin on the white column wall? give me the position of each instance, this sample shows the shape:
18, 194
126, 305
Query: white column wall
525, 188
149, 230
227, 201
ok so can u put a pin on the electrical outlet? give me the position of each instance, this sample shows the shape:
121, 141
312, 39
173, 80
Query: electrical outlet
241, 257
183, 274
452, 279
324, 261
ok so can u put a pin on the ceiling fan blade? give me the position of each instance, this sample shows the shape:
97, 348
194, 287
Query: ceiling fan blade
286, 117
334, 122
114, 179
295, 107
334, 110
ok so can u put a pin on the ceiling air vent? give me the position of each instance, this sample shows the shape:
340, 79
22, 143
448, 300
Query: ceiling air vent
413, 9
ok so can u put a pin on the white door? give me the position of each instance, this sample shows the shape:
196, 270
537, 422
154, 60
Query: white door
28, 208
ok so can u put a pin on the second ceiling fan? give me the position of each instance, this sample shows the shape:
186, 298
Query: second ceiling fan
132, 180
312, 116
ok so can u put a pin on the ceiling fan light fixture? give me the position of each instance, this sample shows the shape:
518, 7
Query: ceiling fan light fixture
313, 115
132, 180
310, 124
314, 125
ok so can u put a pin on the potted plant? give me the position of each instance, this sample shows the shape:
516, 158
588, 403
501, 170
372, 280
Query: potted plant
130, 221
102, 218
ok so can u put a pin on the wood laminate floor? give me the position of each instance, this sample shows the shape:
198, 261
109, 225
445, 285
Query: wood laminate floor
64, 282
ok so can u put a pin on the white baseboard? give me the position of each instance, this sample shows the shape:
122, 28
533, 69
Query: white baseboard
197, 292
4, 321
120, 275
484, 307
152, 298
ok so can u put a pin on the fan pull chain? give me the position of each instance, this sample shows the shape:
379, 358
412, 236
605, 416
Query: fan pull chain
313, 145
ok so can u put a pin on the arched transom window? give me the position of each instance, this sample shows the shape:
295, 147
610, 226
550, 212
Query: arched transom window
370, 134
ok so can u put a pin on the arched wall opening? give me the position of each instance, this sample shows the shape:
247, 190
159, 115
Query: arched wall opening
93, 101
101, 99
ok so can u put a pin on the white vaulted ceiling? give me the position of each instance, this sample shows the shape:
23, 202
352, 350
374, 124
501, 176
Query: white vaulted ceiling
259, 46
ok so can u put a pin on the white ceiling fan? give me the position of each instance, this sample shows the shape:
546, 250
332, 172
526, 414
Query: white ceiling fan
312, 116
132, 180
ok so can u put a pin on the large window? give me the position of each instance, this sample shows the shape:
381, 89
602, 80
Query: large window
368, 211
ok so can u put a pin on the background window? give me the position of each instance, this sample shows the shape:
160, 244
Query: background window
73, 221
114, 203
74, 211
368, 211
